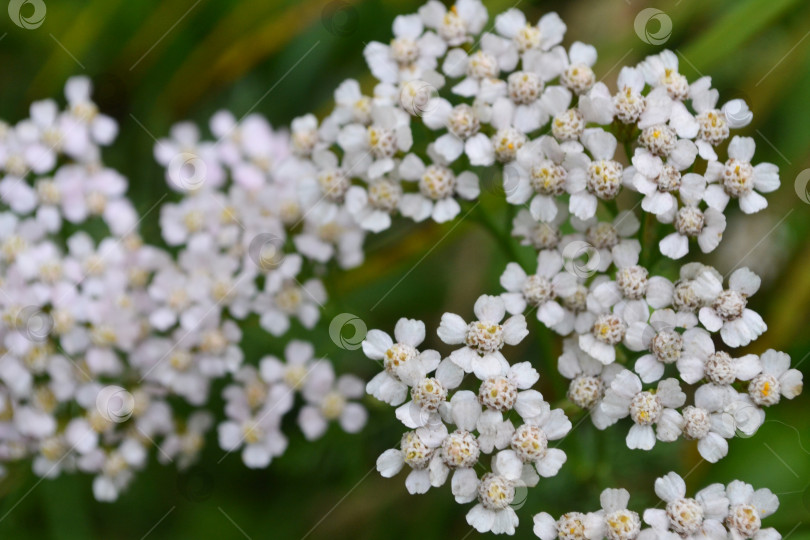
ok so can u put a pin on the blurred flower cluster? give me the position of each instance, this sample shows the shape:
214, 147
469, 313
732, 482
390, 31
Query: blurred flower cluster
111, 346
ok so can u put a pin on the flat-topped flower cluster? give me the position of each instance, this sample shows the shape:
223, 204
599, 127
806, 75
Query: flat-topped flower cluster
106, 338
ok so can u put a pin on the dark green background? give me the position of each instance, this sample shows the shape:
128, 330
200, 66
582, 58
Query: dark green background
227, 54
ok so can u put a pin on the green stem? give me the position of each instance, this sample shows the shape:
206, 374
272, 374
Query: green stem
501, 237
628, 151
643, 233
612, 207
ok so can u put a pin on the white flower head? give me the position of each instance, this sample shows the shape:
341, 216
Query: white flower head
496, 493
746, 510
687, 516
416, 449
538, 290
646, 408
548, 31
589, 380
483, 338
538, 174
458, 25
438, 188
775, 380
700, 360
328, 400
615, 520
738, 178
410, 54
404, 365
727, 309
660, 339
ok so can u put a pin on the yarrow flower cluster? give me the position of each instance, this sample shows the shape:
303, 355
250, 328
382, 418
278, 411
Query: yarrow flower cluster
452, 427
106, 339
101, 336
717, 511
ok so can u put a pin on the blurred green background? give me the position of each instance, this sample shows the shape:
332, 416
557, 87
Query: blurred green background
165, 61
